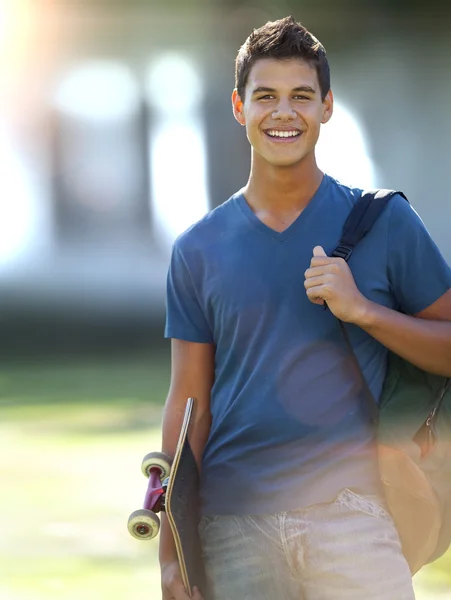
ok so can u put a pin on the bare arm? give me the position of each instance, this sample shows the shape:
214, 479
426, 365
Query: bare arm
424, 339
192, 375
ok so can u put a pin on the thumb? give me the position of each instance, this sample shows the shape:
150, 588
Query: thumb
196, 594
319, 251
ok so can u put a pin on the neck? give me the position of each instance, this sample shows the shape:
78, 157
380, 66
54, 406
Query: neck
282, 189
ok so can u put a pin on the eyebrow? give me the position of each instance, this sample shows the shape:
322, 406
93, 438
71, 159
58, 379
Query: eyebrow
301, 88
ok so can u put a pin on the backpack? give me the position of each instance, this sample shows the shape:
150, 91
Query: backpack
413, 426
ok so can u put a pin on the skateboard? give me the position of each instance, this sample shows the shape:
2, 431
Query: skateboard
173, 488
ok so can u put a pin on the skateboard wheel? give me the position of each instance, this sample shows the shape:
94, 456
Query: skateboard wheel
143, 524
160, 460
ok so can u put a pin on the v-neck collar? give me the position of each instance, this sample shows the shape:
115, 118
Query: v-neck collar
282, 236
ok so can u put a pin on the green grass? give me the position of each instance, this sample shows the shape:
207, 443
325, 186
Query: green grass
72, 438
136, 379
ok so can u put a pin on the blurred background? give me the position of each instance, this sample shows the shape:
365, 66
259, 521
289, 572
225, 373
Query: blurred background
116, 133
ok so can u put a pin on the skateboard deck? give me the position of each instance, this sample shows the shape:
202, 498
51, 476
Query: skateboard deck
182, 508
174, 488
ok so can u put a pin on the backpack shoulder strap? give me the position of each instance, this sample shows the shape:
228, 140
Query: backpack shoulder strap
361, 218
359, 222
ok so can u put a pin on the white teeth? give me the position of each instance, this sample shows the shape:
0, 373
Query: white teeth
285, 134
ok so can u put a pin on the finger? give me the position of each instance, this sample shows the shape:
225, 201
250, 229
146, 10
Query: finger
318, 271
319, 251
168, 595
311, 272
321, 261
315, 296
177, 591
196, 594
180, 593
312, 282
316, 300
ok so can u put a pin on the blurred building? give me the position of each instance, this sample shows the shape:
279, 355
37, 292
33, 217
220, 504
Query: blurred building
116, 133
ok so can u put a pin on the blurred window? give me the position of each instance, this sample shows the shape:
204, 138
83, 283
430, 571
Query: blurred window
20, 218
178, 168
100, 164
342, 150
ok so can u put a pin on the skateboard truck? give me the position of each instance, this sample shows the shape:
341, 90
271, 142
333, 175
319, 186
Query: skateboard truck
144, 524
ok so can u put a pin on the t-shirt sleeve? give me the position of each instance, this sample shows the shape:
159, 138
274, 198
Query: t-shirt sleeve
417, 271
185, 319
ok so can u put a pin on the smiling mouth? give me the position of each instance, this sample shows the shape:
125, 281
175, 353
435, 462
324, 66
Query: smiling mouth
284, 136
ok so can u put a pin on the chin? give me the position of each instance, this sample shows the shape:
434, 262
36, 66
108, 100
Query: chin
285, 162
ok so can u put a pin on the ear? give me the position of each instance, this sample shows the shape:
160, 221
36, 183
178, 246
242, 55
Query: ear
237, 105
328, 107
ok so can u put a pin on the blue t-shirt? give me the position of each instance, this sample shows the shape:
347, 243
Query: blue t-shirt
289, 425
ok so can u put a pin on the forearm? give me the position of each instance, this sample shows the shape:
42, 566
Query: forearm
423, 342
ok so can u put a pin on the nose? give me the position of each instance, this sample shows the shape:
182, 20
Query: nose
284, 111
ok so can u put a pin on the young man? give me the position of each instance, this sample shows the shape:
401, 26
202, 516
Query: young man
290, 497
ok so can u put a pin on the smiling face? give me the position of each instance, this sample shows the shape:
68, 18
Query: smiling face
282, 110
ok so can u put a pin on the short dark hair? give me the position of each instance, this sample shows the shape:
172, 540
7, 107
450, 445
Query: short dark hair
282, 39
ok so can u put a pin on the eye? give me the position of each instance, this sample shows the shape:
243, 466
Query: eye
265, 97
301, 97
